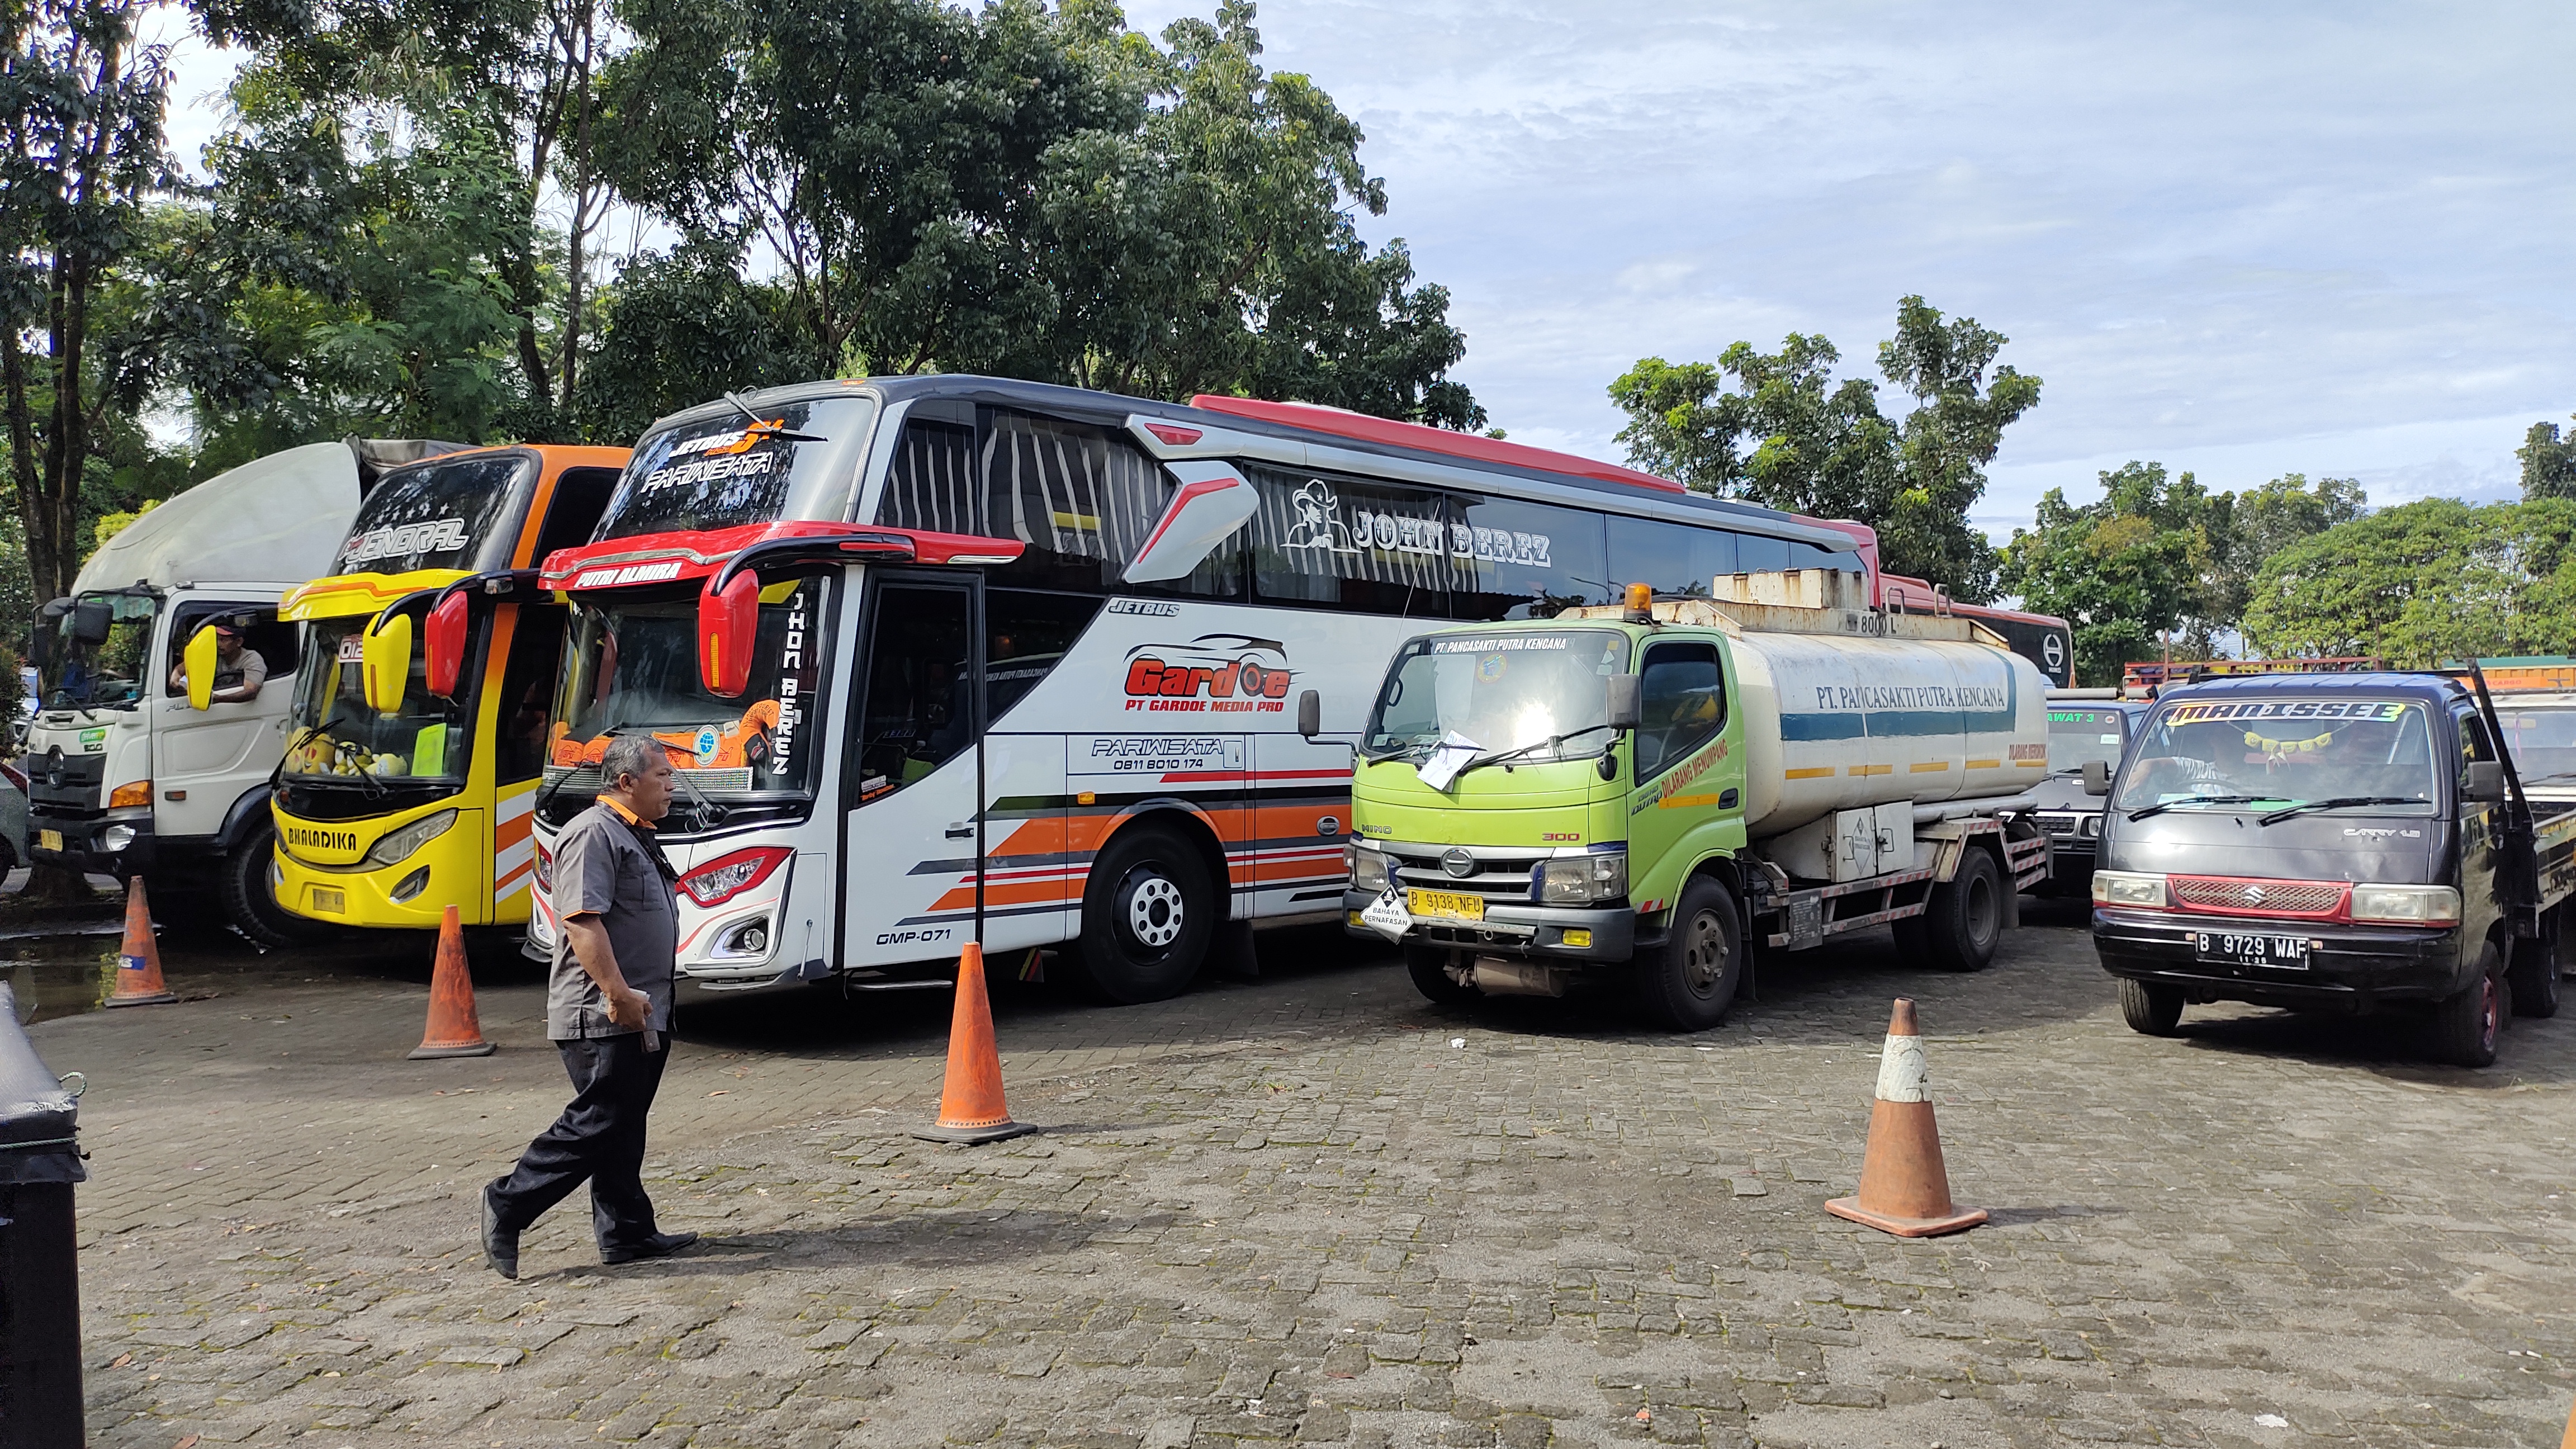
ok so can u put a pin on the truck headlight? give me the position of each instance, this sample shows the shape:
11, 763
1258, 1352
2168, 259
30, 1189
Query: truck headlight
2407, 905
1368, 868
115, 838
1579, 880
399, 845
2128, 888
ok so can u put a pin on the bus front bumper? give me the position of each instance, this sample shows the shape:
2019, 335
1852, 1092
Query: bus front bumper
452, 868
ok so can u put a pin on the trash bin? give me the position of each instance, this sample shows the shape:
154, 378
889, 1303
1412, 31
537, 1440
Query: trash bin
40, 1356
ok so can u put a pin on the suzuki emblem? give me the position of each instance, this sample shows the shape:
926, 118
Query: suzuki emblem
1458, 862
2253, 895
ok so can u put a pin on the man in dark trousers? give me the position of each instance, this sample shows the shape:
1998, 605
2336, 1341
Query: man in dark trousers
608, 1009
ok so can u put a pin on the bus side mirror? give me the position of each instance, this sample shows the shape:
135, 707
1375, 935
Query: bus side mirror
199, 657
1627, 704
1310, 714
2484, 781
443, 640
384, 663
91, 620
728, 625
2097, 777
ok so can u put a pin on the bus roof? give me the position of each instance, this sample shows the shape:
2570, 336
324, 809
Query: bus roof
1306, 423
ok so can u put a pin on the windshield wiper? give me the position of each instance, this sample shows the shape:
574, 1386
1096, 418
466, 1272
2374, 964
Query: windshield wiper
2194, 800
709, 813
1550, 743
763, 428
2337, 802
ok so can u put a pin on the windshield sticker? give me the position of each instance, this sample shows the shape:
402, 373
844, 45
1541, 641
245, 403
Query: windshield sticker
711, 467
644, 573
1212, 674
2198, 712
437, 535
740, 440
1507, 642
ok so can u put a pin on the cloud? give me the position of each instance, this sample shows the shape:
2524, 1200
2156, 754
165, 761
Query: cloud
2329, 238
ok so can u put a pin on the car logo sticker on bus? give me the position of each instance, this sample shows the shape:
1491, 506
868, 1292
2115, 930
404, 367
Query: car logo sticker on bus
437, 535
1212, 674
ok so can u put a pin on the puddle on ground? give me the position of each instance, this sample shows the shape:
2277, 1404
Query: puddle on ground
59, 975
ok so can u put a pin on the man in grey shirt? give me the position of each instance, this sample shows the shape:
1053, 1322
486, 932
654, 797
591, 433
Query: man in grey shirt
608, 1009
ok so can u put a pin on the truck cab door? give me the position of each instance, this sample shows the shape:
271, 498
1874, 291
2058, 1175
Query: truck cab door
2481, 832
204, 760
1686, 775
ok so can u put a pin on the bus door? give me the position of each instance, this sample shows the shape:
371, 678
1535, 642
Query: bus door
910, 848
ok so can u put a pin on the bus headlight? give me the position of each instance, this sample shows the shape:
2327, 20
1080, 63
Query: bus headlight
398, 846
1579, 880
2406, 905
2128, 888
1368, 868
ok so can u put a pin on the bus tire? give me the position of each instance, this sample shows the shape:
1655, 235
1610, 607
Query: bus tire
2465, 1027
1689, 983
242, 884
1964, 920
1426, 965
1148, 913
2534, 974
2151, 1010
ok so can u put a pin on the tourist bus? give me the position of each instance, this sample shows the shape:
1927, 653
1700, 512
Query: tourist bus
2043, 639
948, 657
391, 808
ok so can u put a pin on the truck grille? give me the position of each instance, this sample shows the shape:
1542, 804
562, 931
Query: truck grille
2063, 826
2237, 896
1498, 876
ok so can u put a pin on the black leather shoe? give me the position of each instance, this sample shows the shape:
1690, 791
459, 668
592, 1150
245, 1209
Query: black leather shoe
500, 1249
660, 1245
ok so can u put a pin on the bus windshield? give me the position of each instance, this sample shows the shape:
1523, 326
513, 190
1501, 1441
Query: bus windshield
632, 668
98, 673
339, 740
799, 461
2272, 753
1501, 692
2077, 736
451, 513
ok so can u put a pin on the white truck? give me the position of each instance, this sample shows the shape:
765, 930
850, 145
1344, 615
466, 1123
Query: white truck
128, 775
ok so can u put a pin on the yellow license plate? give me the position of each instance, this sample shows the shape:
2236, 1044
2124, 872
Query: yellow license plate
336, 902
1446, 905
49, 840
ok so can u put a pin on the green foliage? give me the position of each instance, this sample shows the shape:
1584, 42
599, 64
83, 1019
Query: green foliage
2161, 558
2422, 582
681, 328
109, 525
1788, 436
2548, 463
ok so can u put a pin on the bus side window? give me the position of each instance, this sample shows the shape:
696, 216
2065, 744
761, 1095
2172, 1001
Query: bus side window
931, 484
1026, 634
1359, 544
1677, 560
1525, 560
1084, 499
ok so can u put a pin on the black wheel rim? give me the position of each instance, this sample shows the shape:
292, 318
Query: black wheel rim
1985, 918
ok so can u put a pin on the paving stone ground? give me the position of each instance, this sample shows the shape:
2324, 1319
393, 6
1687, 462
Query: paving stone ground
1312, 1208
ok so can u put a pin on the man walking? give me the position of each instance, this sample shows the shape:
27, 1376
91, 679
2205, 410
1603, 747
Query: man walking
608, 1009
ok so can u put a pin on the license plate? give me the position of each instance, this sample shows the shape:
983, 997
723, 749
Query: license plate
2281, 953
336, 902
49, 840
1446, 905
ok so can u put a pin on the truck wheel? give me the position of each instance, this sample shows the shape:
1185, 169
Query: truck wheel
250, 903
2534, 975
2151, 1010
1964, 920
2465, 1027
1689, 983
1147, 915
1423, 964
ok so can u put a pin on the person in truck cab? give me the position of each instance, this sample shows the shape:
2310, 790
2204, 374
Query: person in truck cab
239, 670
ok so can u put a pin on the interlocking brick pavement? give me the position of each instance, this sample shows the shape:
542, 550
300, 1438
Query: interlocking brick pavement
1312, 1208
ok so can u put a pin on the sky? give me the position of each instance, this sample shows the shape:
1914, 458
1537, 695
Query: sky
2243, 240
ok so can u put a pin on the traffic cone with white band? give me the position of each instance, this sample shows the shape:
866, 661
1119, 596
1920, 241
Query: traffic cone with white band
1904, 1186
454, 1029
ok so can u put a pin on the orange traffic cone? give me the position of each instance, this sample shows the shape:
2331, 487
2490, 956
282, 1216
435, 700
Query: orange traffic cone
453, 1029
970, 1101
138, 958
2568, 1440
1904, 1188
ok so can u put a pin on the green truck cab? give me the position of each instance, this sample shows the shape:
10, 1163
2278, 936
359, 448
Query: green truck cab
1574, 803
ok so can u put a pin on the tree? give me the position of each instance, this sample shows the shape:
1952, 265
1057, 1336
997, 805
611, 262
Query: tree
2424, 582
683, 327
80, 151
1788, 436
2120, 571
2548, 463
2245, 529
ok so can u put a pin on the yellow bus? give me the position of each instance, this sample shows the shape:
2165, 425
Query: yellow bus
393, 804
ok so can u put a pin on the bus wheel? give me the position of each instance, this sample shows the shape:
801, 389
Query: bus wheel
1427, 965
1689, 983
1964, 921
251, 903
1147, 915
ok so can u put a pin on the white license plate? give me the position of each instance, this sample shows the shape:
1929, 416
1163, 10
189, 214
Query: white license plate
2237, 948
